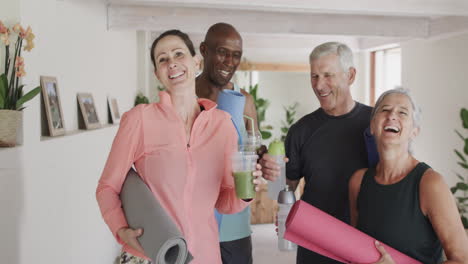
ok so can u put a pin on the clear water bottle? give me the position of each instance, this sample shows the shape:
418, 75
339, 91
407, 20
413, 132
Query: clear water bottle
286, 200
276, 150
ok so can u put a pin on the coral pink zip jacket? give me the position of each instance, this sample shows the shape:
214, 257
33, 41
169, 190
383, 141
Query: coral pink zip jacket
189, 179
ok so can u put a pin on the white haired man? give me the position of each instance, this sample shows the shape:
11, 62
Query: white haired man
327, 146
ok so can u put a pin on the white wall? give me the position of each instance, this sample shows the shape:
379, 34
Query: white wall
361, 87
283, 89
436, 71
49, 211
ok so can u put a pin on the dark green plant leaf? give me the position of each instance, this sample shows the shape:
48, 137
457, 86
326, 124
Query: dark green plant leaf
454, 189
4, 91
260, 116
462, 186
3, 87
465, 149
464, 117
460, 155
253, 91
19, 92
265, 134
460, 177
290, 113
28, 97
261, 102
462, 199
464, 165
141, 99
460, 135
464, 221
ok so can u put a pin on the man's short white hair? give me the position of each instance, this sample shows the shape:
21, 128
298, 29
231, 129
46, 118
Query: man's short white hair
344, 53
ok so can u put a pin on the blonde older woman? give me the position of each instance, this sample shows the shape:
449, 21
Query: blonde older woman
403, 202
181, 147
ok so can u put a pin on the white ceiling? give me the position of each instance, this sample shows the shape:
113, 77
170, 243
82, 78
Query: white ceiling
277, 31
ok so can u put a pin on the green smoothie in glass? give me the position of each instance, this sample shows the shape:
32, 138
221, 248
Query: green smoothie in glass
245, 189
243, 166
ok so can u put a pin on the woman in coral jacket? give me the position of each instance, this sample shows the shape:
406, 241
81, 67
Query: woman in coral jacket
181, 148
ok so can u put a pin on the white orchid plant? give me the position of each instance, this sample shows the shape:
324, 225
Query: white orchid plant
11, 90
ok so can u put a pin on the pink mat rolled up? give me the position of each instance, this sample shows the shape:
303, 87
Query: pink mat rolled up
320, 232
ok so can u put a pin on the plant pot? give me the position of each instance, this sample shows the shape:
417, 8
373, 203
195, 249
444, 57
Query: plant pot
10, 121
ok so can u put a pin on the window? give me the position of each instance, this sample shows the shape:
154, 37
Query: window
385, 71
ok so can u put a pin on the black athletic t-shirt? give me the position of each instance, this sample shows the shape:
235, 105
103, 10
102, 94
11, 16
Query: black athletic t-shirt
326, 150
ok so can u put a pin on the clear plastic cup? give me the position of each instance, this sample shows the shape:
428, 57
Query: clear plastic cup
243, 166
250, 142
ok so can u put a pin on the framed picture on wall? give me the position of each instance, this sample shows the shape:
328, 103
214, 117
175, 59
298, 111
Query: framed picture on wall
88, 111
52, 106
114, 113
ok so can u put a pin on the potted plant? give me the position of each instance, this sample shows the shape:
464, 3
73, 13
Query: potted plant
261, 105
12, 96
141, 99
290, 112
461, 187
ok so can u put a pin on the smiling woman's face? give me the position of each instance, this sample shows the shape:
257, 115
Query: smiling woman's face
393, 121
175, 66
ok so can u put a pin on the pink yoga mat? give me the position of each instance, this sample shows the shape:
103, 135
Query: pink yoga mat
318, 231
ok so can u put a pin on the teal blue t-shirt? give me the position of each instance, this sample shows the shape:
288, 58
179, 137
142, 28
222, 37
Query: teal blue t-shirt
235, 226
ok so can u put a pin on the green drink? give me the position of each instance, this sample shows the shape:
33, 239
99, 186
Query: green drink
243, 166
245, 189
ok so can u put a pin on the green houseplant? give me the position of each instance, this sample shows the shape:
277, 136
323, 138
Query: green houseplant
290, 114
461, 187
261, 105
141, 99
12, 95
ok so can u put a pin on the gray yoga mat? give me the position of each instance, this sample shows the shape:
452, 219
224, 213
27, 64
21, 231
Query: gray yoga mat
161, 239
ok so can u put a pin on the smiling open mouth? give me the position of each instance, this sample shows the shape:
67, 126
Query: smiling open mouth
176, 75
225, 73
392, 129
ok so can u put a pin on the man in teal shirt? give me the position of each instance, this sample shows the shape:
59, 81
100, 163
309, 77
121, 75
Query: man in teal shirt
222, 53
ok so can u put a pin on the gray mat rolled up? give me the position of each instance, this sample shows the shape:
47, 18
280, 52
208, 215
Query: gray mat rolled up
161, 239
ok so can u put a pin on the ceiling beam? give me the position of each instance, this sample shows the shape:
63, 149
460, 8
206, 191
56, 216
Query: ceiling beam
370, 7
448, 25
197, 20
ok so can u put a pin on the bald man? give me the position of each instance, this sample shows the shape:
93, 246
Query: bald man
222, 53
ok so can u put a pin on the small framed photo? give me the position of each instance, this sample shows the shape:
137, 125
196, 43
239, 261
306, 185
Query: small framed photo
88, 111
53, 108
114, 113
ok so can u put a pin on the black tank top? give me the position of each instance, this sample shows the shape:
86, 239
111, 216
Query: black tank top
392, 214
